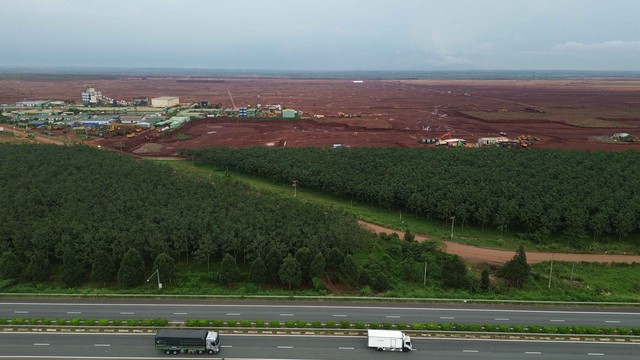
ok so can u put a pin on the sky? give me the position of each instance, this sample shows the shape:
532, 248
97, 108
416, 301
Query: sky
330, 35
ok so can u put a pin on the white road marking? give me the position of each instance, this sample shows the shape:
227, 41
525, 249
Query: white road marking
345, 348
20, 312
556, 320
447, 317
226, 346
285, 347
233, 314
595, 354
286, 314
103, 345
180, 313
393, 316
41, 344
533, 352
74, 312
470, 351
127, 313
612, 321
339, 315
501, 319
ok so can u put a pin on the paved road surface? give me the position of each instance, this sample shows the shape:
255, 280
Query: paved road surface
180, 310
128, 346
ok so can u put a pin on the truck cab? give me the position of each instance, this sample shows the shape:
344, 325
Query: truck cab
213, 342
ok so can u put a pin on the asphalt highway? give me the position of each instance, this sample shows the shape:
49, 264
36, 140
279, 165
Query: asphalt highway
132, 346
180, 310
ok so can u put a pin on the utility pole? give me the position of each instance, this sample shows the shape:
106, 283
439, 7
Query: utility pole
453, 220
424, 283
551, 271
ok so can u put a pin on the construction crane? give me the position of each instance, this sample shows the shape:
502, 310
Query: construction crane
232, 102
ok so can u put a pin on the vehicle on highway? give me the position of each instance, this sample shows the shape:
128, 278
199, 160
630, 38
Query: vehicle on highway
187, 341
393, 340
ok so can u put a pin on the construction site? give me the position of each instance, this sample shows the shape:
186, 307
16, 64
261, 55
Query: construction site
587, 114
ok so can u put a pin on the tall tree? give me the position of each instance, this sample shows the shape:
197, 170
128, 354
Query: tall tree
228, 272
102, 267
318, 265
131, 272
272, 262
10, 266
72, 270
516, 271
304, 258
290, 271
258, 272
38, 269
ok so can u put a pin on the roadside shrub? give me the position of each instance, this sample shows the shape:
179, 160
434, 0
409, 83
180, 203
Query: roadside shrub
104, 322
344, 324
290, 324
260, 323
301, 324
359, 325
624, 331
232, 323
386, 325
160, 322
133, 322
246, 323
274, 324
431, 327
90, 322
401, 326
18, 321
330, 324
217, 323
316, 324
374, 325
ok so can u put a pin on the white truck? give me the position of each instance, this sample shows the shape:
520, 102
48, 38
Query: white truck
393, 340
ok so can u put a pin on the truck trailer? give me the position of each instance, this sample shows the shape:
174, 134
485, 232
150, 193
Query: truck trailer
392, 340
187, 341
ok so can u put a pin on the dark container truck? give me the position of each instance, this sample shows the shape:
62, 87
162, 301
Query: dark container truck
187, 341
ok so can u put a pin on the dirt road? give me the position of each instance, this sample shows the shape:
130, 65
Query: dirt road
498, 256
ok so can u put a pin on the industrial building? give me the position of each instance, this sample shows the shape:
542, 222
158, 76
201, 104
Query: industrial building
91, 97
165, 101
289, 114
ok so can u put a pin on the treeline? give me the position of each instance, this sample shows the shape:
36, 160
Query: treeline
78, 214
539, 193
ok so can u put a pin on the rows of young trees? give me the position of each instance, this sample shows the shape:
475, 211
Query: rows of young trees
539, 192
75, 214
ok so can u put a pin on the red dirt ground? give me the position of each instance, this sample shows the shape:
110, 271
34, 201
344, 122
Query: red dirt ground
389, 112
479, 254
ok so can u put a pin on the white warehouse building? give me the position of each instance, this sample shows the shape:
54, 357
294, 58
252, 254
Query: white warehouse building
165, 101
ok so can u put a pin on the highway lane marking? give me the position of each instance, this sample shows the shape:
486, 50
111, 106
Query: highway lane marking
103, 345
447, 317
595, 354
470, 351
180, 313
20, 312
127, 313
393, 316
286, 314
41, 344
284, 347
226, 346
233, 314
533, 352
556, 320
339, 315
74, 312
612, 321
345, 348
501, 319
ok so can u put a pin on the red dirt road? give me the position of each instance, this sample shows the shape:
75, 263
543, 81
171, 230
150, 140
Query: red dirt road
496, 256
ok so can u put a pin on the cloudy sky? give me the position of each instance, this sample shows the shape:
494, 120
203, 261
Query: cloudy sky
324, 34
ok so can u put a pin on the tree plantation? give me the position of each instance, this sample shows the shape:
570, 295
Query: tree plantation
77, 214
539, 193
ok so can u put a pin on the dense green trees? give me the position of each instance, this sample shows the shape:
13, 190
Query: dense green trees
71, 213
131, 272
539, 193
516, 271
